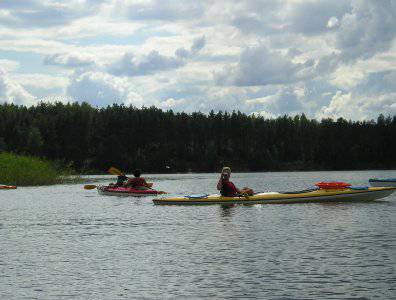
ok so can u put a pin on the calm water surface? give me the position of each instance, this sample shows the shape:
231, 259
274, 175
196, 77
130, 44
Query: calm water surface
64, 242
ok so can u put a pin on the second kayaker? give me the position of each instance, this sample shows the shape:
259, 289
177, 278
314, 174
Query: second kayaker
227, 188
137, 182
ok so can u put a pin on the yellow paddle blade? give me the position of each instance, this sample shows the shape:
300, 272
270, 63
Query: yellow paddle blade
114, 171
89, 187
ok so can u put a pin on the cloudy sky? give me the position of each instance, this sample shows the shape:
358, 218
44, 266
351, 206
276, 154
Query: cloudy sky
325, 58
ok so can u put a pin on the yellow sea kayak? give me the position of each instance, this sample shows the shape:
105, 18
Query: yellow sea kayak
306, 196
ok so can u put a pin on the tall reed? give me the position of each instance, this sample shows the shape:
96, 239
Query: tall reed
22, 170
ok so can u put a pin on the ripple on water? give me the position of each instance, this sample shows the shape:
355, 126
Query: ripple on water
64, 242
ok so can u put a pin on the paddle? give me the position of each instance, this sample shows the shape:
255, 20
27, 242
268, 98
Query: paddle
89, 187
114, 171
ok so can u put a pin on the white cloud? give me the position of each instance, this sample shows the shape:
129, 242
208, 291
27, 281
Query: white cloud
333, 22
171, 103
347, 77
350, 106
274, 57
368, 29
260, 66
160, 10
12, 92
314, 17
101, 89
96, 26
285, 101
45, 13
69, 60
40, 81
153, 62
264, 114
256, 17
9, 65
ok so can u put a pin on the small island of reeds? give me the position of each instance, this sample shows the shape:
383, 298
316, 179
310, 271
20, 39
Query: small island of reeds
23, 170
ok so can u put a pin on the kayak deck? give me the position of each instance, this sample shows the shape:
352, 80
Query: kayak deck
369, 194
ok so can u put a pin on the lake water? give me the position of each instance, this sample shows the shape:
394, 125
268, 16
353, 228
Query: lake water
64, 242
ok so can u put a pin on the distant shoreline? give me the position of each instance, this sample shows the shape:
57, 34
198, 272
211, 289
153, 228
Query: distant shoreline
234, 172
88, 139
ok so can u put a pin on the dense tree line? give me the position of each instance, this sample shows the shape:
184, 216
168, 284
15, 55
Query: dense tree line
91, 139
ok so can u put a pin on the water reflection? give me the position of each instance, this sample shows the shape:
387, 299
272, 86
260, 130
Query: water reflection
63, 242
226, 211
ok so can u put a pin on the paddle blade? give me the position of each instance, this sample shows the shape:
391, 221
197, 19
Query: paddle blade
114, 171
162, 192
150, 184
89, 187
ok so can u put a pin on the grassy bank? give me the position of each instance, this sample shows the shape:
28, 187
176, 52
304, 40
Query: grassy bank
24, 170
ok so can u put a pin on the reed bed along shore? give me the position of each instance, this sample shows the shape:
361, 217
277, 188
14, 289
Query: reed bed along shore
22, 170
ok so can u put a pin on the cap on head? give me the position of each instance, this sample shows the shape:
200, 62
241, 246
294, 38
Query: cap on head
226, 170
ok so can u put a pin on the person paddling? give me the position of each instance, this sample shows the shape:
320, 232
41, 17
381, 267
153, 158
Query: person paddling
227, 188
121, 180
137, 182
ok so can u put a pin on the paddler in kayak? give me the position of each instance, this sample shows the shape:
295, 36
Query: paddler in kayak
227, 188
137, 182
120, 181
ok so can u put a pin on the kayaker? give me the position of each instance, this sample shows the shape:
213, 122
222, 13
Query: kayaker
227, 188
137, 181
120, 180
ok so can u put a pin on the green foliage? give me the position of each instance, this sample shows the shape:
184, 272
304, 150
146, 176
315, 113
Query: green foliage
34, 141
22, 170
88, 139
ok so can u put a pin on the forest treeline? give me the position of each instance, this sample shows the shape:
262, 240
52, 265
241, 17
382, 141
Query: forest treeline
92, 139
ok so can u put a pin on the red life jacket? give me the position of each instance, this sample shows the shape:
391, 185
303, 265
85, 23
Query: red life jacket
137, 182
228, 189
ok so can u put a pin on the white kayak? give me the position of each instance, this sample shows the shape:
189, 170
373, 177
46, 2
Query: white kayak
306, 196
383, 182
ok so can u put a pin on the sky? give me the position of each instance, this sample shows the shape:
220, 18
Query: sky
324, 58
